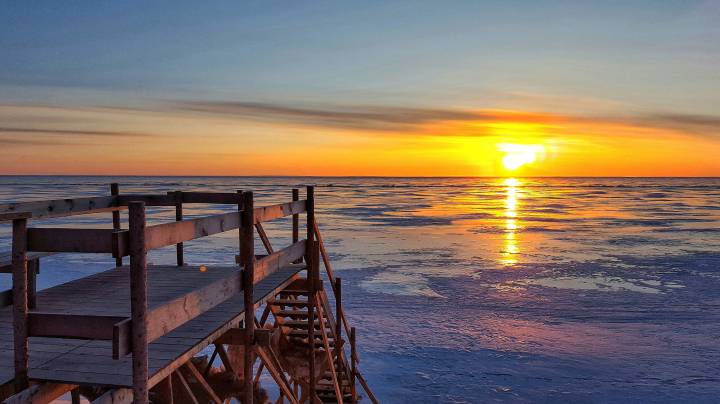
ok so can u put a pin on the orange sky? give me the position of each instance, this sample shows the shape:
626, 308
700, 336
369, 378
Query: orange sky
236, 139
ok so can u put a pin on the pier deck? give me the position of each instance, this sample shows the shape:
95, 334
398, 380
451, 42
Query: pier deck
108, 293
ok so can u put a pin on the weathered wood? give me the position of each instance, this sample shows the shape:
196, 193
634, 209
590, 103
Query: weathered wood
14, 215
115, 191
312, 282
75, 396
272, 212
149, 200
115, 396
329, 270
165, 391
6, 298
264, 238
225, 198
138, 302
20, 303
177, 232
186, 388
61, 207
33, 268
61, 325
328, 354
273, 262
296, 220
40, 393
275, 371
247, 256
70, 240
353, 369
178, 218
338, 322
190, 366
6, 259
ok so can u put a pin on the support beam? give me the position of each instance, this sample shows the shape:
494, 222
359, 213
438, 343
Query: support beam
312, 283
115, 191
247, 255
179, 218
138, 302
192, 369
41, 393
296, 220
20, 303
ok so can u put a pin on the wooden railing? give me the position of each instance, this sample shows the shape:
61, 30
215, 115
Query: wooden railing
135, 242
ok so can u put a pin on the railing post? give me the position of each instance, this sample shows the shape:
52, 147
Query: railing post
296, 220
338, 320
115, 191
33, 268
353, 365
20, 303
312, 285
138, 301
178, 218
247, 258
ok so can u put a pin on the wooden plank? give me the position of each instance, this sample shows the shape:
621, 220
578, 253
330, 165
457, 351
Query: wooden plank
40, 393
138, 302
14, 215
149, 200
173, 233
62, 207
186, 387
272, 212
60, 325
6, 298
273, 262
51, 239
312, 282
115, 396
224, 198
170, 315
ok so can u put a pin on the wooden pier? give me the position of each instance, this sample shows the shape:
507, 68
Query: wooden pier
135, 332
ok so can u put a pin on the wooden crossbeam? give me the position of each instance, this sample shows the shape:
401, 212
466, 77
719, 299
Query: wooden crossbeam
40, 393
52, 239
273, 262
192, 369
60, 207
272, 212
177, 232
42, 324
225, 198
273, 367
149, 200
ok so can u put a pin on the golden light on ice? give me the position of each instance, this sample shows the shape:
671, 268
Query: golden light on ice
518, 155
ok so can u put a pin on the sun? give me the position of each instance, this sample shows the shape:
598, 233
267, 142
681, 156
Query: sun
518, 155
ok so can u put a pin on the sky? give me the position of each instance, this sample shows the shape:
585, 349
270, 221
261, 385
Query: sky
381, 88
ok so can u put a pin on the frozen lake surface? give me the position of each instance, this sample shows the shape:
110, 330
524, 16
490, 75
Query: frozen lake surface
490, 290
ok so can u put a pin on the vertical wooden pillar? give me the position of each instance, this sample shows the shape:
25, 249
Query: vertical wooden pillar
115, 191
33, 267
247, 258
353, 370
179, 217
20, 302
296, 220
138, 302
338, 320
312, 285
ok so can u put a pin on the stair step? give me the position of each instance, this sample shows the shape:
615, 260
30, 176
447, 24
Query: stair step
295, 292
303, 325
289, 302
291, 313
304, 334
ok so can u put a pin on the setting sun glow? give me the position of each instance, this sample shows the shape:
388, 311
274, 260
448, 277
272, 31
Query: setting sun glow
518, 155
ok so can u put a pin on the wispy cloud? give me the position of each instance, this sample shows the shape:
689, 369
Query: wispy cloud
53, 131
398, 119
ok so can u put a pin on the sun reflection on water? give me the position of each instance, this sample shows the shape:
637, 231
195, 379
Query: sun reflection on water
511, 248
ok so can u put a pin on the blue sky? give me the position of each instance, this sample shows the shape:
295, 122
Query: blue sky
602, 59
